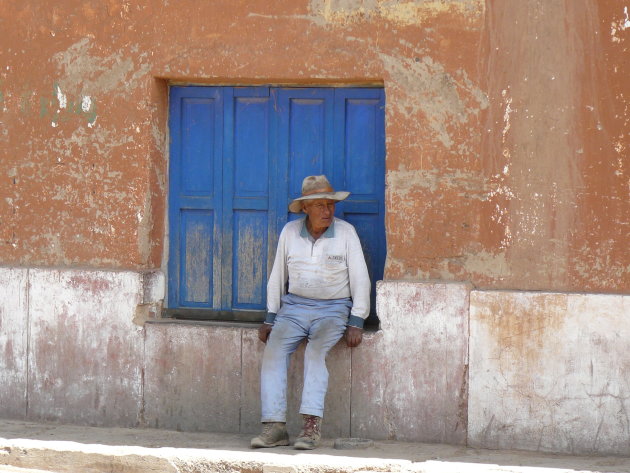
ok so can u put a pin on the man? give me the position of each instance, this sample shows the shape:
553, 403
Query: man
320, 257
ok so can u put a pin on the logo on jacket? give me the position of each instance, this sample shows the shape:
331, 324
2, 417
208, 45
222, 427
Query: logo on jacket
334, 259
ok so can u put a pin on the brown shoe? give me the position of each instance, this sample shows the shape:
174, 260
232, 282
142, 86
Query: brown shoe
311, 433
274, 434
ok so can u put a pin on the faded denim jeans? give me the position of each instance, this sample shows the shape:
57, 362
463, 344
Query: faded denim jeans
323, 323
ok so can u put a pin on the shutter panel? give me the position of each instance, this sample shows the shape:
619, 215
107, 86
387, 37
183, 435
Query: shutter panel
360, 169
246, 197
305, 144
196, 125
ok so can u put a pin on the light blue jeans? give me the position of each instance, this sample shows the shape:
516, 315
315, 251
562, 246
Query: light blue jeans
323, 323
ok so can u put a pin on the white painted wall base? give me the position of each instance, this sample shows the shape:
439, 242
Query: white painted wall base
13, 342
72, 350
546, 371
409, 380
406, 382
550, 372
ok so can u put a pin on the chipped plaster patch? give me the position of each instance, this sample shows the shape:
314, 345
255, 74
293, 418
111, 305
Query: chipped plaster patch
91, 75
596, 263
342, 12
501, 193
61, 107
86, 103
506, 118
61, 97
405, 181
619, 25
426, 87
488, 264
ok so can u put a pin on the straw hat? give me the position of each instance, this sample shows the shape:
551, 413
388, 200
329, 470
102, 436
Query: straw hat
316, 187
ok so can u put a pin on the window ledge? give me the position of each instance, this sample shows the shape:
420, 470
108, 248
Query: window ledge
214, 315
213, 318
205, 323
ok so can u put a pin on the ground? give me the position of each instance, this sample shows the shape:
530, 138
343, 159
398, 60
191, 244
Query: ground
62, 448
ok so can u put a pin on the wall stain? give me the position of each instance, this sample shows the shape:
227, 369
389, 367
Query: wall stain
344, 12
426, 89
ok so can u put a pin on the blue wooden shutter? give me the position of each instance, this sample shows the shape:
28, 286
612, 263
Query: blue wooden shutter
340, 133
360, 168
247, 212
238, 156
196, 131
305, 140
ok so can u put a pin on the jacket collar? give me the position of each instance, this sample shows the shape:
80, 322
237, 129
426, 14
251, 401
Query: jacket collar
329, 233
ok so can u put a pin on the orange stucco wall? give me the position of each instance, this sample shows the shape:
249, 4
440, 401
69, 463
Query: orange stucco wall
508, 135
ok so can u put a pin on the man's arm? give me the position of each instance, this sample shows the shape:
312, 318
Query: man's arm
359, 281
264, 331
276, 287
354, 336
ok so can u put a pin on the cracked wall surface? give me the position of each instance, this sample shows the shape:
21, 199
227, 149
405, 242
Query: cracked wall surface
548, 371
506, 121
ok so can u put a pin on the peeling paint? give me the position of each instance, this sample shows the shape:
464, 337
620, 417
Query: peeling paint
63, 100
407, 181
497, 146
494, 265
403, 13
424, 86
86, 103
65, 110
506, 119
83, 72
619, 25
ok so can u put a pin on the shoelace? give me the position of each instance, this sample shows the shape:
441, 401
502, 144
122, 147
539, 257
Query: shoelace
268, 428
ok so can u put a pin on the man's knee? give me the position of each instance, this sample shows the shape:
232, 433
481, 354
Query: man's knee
322, 345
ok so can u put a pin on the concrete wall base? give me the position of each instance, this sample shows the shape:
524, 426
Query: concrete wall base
549, 372
546, 370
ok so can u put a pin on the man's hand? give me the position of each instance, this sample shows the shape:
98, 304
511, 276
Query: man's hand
354, 335
264, 331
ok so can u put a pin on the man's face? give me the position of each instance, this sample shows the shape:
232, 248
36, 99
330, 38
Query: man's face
320, 212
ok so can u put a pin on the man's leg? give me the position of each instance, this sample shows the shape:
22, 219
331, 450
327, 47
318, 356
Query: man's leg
283, 340
325, 333
285, 337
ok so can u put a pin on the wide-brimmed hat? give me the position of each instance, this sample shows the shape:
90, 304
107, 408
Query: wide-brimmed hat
316, 187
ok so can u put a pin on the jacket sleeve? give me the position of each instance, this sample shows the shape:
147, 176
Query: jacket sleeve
359, 281
276, 286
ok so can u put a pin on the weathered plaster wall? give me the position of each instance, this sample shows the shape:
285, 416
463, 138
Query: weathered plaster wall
548, 372
556, 146
507, 142
410, 379
545, 201
83, 139
494, 369
76, 350
507, 166
13, 342
73, 344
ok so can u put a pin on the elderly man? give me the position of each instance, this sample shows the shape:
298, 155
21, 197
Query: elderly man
320, 257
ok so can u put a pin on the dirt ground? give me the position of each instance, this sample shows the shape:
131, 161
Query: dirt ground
62, 448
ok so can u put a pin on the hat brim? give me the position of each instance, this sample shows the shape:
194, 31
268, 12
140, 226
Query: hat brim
296, 204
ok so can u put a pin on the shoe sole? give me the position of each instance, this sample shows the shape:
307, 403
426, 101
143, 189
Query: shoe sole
304, 446
261, 444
